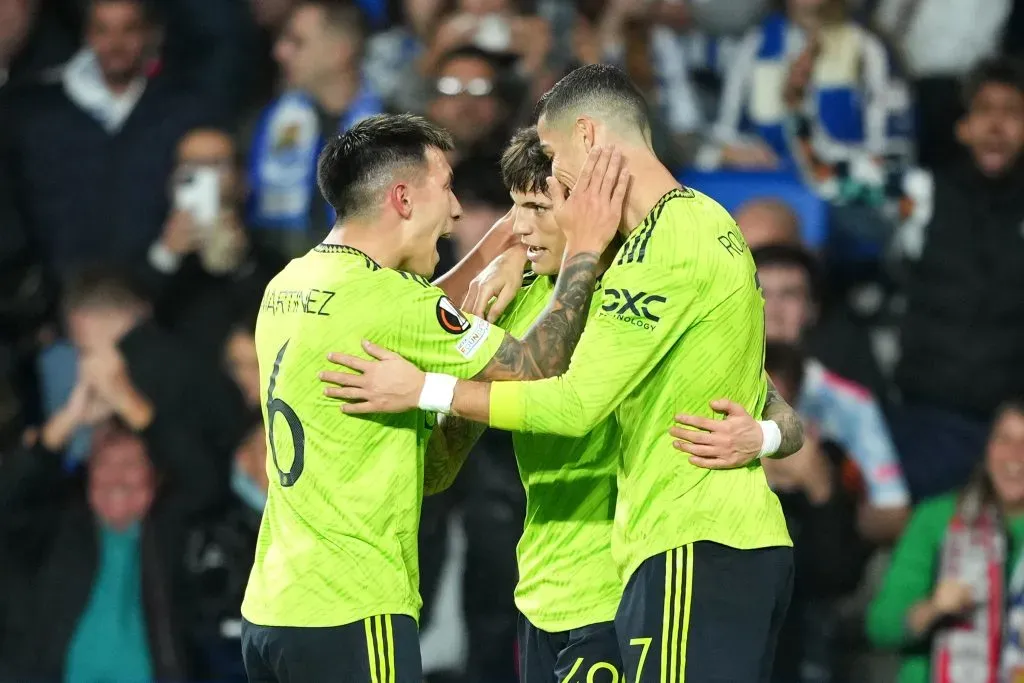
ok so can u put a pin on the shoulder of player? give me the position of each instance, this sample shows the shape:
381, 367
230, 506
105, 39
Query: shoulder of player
660, 234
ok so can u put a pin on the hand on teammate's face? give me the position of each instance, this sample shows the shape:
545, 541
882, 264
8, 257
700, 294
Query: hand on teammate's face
388, 384
591, 215
719, 444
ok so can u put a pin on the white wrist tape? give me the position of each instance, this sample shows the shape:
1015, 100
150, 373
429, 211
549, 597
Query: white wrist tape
438, 392
772, 438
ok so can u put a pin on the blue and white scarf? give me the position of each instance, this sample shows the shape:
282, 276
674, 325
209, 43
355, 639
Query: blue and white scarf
839, 94
282, 165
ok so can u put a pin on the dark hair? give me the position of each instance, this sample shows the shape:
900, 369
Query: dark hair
524, 166
101, 287
494, 61
351, 162
342, 15
596, 84
785, 362
792, 256
997, 70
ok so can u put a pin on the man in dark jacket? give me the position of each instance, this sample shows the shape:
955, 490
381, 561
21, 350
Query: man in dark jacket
962, 335
91, 558
92, 152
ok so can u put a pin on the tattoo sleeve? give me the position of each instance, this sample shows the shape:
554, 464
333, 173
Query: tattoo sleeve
776, 408
547, 347
449, 445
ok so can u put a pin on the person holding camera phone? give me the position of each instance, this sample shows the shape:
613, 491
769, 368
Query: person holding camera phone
494, 26
204, 266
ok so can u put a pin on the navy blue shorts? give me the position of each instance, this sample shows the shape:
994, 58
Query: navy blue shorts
382, 649
704, 613
589, 653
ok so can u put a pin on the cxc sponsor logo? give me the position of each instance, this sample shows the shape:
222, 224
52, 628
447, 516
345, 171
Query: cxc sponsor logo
638, 308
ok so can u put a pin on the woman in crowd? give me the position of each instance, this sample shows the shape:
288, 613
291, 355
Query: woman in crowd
953, 599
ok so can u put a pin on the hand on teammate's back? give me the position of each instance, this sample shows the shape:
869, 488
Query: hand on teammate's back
389, 384
719, 444
591, 215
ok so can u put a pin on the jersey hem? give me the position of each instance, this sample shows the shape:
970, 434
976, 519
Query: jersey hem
570, 623
345, 621
776, 542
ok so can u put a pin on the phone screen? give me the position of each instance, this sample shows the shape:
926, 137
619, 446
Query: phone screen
198, 193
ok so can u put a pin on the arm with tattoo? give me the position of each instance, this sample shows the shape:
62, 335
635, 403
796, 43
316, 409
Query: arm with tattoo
447, 450
792, 428
547, 347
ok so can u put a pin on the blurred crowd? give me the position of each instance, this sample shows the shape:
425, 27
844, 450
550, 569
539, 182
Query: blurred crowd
157, 167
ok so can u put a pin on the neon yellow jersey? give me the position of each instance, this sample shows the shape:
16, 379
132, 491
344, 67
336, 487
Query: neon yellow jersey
567, 578
338, 539
681, 324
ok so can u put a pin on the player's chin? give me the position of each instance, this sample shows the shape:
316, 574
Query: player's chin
547, 266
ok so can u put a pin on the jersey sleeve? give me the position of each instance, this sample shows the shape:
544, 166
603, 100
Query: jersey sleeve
644, 309
430, 331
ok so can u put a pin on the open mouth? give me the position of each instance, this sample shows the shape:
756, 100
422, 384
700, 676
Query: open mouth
535, 253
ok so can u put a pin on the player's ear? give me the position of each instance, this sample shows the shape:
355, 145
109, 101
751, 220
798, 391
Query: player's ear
585, 130
400, 200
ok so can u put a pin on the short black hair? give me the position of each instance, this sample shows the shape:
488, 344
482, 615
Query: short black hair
785, 363
352, 164
102, 287
997, 70
599, 89
342, 15
524, 165
792, 256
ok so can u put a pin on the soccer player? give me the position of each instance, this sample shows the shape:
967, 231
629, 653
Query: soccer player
334, 590
701, 541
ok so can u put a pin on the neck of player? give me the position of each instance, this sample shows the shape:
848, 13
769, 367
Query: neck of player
376, 243
651, 181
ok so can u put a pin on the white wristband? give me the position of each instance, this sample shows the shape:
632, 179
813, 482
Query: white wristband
438, 392
772, 438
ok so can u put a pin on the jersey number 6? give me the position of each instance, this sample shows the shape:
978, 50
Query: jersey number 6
276, 406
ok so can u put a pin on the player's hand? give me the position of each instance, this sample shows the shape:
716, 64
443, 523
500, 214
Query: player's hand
500, 281
719, 444
591, 215
387, 383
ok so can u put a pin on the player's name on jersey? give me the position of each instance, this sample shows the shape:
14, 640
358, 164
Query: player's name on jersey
287, 301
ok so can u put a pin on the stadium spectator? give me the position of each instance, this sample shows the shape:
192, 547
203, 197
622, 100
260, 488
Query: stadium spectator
840, 409
93, 558
218, 558
468, 101
953, 597
962, 333
821, 515
93, 150
765, 222
968, 34
498, 27
240, 359
156, 385
391, 56
319, 52
807, 90
203, 269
